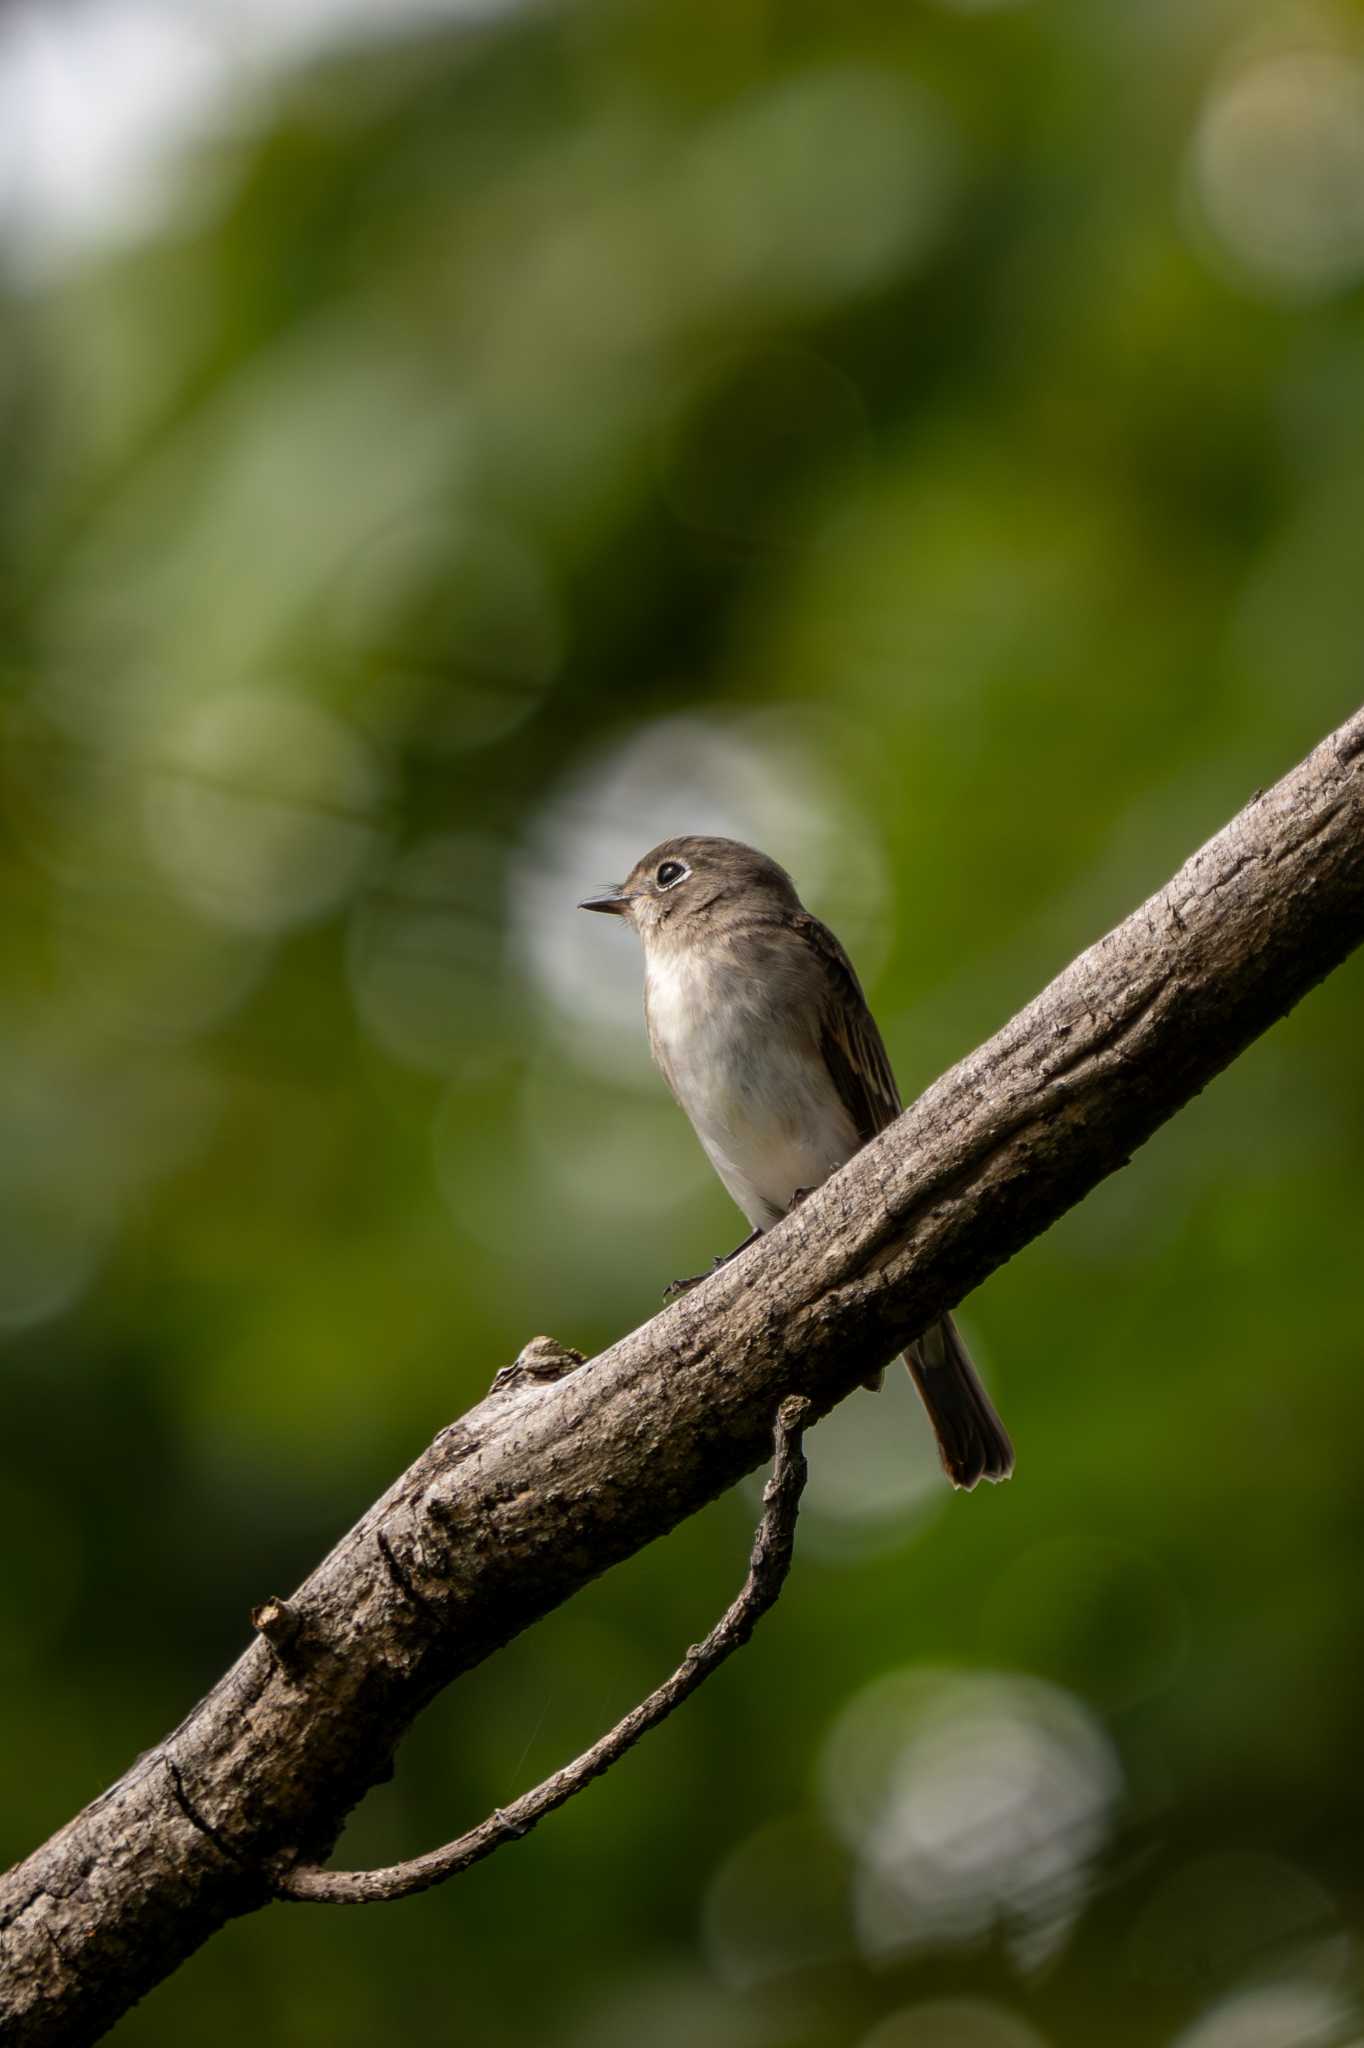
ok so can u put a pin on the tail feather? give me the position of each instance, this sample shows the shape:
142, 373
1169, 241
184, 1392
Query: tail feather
972, 1441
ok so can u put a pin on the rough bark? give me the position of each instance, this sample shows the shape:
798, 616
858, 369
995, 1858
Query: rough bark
544, 1485
773, 1545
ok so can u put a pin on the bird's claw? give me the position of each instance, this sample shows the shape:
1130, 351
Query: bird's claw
681, 1287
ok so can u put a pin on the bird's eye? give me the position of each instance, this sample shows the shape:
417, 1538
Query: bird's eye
670, 873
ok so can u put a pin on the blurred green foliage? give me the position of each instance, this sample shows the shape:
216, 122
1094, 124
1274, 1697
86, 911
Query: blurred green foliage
929, 441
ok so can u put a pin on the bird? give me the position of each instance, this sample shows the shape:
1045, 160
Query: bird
759, 1025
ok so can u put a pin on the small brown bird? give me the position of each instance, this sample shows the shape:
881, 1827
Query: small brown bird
764, 1036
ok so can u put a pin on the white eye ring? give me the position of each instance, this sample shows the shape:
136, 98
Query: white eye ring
664, 867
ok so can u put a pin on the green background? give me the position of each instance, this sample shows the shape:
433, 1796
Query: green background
927, 441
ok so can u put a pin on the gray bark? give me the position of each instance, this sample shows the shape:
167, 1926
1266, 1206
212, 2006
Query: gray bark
543, 1485
770, 1562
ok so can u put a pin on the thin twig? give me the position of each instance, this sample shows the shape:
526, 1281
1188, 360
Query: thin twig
768, 1565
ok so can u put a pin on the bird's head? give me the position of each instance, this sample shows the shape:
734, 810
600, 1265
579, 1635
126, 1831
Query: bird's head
682, 883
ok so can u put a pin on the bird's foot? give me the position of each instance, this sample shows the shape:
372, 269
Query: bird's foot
678, 1288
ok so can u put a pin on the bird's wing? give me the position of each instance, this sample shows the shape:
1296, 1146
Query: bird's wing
849, 1040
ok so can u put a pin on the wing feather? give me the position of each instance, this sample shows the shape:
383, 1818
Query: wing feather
853, 1050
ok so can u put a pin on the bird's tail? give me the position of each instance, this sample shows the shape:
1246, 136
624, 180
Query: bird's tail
972, 1441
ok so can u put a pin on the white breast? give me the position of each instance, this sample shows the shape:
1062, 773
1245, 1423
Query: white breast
758, 1095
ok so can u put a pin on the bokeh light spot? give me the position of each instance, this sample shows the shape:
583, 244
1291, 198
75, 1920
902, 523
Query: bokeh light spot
973, 1804
1278, 169
1288, 2014
821, 185
953, 2023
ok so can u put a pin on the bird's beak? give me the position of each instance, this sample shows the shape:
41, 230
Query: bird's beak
613, 901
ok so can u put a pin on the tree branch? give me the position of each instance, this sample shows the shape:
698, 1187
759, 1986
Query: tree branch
768, 1565
544, 1485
